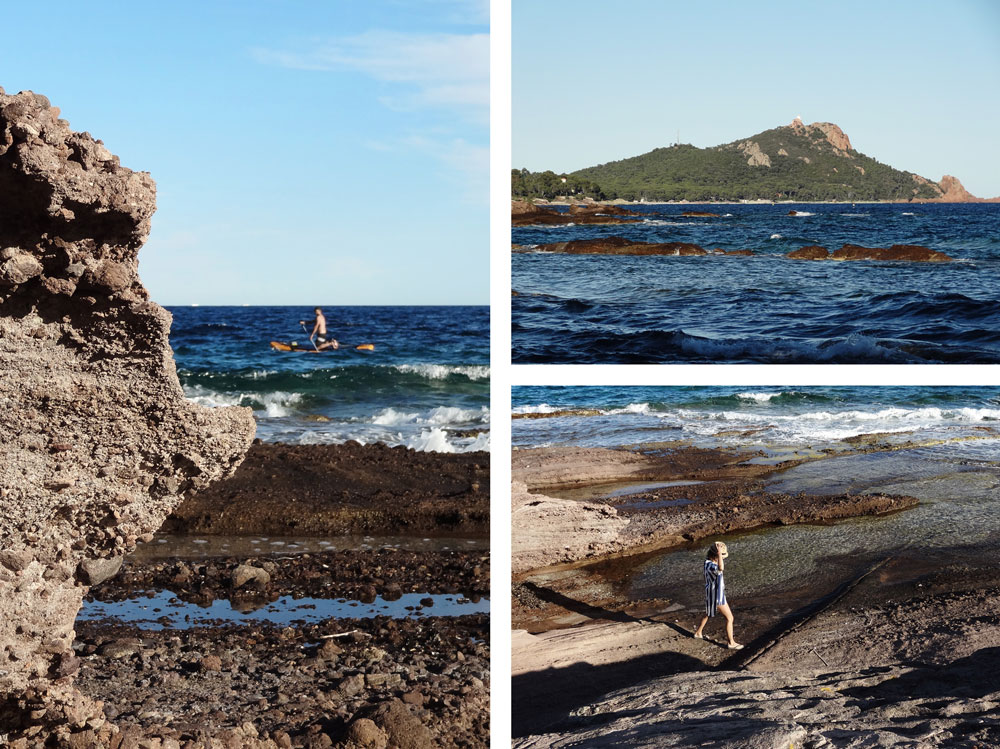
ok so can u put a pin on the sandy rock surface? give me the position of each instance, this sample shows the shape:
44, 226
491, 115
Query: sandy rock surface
97, 442
549, 531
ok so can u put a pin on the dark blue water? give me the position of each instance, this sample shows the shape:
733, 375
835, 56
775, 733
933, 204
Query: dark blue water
747, 416
766, 308
425, 385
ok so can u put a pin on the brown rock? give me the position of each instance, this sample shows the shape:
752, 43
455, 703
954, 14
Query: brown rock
246, 573
907, 252
96, 571
622, 246
810, 252
329, 649
403, 729
705, 214
93, 370
364, 734
211, 663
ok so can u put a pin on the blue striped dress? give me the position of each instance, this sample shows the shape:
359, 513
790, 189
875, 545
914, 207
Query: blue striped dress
715, 588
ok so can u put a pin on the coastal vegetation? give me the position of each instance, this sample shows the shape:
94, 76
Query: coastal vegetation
794, 162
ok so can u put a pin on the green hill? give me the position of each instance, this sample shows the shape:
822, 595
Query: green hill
794, 162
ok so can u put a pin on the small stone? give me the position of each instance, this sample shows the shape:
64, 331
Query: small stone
211, 663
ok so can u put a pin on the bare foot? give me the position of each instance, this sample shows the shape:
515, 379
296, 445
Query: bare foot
698, 636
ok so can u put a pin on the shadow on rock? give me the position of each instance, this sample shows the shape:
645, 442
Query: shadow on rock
972, 677
542, 700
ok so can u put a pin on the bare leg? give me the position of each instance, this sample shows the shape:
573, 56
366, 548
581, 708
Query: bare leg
698, 632
728, 613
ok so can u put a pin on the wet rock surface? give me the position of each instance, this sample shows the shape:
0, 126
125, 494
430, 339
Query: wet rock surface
622, 246
97, 442
342, 489
338, 682
525, 213
356, 574
898, 252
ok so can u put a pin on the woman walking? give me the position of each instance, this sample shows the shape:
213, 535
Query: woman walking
715, 593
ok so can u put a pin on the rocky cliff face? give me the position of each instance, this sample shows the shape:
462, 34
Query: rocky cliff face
97, 442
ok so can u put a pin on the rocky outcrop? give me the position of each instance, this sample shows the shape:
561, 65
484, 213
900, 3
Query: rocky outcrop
908, 252
755, 156
526, 213
952, 191
834, 136
810, 252
700, 214
622, 246
97, 442
903, 252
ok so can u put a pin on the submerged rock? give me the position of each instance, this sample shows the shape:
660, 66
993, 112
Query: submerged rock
909, 252
810, 252
622, 246
97, 442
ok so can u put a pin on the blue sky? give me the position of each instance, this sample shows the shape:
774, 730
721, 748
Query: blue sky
913, 84
305, 152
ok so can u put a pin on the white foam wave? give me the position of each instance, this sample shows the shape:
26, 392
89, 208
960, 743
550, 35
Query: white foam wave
758, 397
632, 408
907, 213
541, 408
440, 416
856, 215
271, 405
802, 213
444, 371
776, 236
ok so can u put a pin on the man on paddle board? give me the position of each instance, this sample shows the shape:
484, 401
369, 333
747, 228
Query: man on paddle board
319, 336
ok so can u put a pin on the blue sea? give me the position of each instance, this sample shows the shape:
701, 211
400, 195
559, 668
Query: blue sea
748, 417
764, 309
426, 384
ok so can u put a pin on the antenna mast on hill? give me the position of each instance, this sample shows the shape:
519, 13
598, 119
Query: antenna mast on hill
678, 136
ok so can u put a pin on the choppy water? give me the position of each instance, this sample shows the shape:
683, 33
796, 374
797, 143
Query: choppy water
776, 417
426, 384
766, 308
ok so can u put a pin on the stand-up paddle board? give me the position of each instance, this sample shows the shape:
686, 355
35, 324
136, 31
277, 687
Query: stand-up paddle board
310, 349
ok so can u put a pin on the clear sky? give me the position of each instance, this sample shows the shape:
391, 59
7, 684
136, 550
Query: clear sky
914, 84
305, 151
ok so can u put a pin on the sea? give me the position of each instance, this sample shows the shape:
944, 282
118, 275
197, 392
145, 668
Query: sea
426, 384
759, 417
764, 309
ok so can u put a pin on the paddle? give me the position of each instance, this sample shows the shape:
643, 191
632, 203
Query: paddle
308, 334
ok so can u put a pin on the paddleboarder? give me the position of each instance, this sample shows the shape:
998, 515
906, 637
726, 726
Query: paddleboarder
715, 593
319, 337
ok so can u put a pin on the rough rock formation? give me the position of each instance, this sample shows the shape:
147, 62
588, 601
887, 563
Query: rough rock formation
97, 442
526, 213
904, 252
622, 246
755, 156
909, 252
810, 252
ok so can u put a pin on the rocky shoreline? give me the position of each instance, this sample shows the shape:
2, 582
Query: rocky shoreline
888, 648
621, 246
718, 495
321, 490
414, 680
